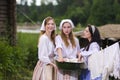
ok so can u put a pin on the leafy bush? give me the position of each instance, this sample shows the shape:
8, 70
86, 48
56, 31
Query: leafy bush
28, 42
11, 60
17, 62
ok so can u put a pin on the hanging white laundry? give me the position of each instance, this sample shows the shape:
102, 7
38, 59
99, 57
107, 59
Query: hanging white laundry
116, 68
110, 61
95, 64
105, 62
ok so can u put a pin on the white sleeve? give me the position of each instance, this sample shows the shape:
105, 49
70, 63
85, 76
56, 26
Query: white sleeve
43, 53
92, 49
58, 43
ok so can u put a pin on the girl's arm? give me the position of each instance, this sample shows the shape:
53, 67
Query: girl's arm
60, 57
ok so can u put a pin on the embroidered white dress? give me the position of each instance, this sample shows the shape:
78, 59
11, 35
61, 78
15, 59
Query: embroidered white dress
45, 56
67, 52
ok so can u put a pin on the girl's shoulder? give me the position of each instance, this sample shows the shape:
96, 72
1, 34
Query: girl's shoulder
43, 37
58, 37
94, 44
76, 39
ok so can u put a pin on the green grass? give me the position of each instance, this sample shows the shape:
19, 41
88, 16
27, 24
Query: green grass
28, 42
27, 39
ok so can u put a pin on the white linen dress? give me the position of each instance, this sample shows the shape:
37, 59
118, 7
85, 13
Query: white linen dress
67, 52
43, 71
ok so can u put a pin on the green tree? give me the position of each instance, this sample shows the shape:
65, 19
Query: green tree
117, 11
76, 14
102, 12
79, 11
33, 12
63, 6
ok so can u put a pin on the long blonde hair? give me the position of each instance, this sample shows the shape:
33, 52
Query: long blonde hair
71, 37
53, 32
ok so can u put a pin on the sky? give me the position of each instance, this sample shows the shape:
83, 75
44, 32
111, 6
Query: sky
37, 2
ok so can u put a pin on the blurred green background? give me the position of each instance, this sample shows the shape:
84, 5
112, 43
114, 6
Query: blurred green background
17, 62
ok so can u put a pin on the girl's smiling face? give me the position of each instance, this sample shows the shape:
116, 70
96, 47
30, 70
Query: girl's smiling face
50, 26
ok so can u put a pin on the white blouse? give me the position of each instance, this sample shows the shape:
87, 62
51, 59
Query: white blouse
67, 52
45, 49
92, 48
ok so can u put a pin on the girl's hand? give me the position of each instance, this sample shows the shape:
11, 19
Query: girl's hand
52, 64
79, 57
60, 59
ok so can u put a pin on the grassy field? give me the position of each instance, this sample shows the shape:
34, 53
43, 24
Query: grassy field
27, 39
28, 42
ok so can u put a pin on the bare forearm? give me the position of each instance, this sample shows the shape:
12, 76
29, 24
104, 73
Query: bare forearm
60, 57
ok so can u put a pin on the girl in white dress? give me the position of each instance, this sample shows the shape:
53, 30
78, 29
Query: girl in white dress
67, 47
45, 66
92, 34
